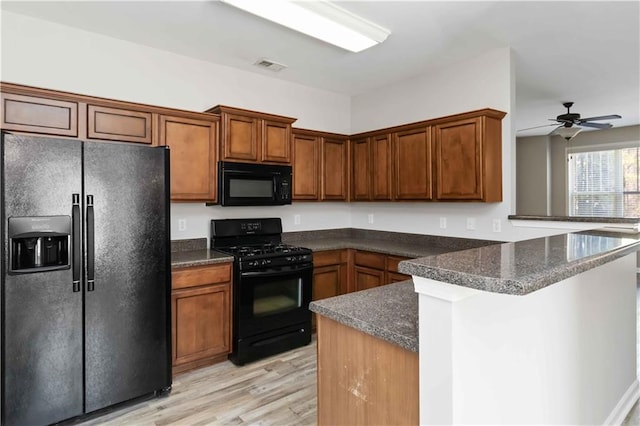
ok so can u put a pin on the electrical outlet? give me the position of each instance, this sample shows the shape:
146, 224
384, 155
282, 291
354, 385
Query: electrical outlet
296, 219
443, 223
497, 225
182, 224
471, 223
370, 217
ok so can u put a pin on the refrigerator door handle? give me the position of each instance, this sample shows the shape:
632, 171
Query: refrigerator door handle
77, 254
90, 245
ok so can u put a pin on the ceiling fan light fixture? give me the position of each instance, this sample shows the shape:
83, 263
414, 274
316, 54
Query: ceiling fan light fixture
320, 19
567, 133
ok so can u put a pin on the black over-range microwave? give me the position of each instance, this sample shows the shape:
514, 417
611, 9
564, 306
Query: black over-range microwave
250, 184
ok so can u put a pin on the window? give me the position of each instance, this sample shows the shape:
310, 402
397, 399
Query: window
605, 183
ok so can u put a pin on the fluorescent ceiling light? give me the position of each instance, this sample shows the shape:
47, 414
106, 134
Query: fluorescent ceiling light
320, 19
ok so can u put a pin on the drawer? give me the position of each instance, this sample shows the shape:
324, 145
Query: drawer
330, 257
369, 259
118, 124
39, 115
201, 275
392, 262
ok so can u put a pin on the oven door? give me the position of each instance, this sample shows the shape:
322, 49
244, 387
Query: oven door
273, 298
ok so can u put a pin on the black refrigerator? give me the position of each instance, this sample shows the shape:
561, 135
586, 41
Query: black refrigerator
86, 281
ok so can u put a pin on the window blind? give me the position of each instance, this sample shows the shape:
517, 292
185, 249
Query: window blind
604, 183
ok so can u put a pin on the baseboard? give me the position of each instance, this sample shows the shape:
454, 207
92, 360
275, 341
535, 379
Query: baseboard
622, 408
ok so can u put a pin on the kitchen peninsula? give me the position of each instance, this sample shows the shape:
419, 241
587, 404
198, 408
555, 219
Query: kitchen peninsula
510, 333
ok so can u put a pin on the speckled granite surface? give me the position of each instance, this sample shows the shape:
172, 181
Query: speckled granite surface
629, 220
522, 267
185, 253
389, 312
393, 243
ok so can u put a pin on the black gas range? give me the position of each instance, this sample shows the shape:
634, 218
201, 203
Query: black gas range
272, 287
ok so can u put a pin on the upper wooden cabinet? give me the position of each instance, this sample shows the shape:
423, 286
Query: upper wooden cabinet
193, 145
335, 168
306, 154
251, 136
361, 171
382, 167
412, 164
35, 114
320, 166
468, 158
118, 124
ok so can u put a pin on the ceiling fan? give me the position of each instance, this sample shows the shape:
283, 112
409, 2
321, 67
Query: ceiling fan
569, 119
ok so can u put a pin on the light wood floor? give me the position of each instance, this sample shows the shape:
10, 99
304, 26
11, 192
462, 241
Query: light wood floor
280, 390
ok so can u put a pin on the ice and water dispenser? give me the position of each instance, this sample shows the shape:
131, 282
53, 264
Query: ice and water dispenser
37, 244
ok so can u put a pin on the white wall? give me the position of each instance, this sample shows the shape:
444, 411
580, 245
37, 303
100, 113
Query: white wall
44, 54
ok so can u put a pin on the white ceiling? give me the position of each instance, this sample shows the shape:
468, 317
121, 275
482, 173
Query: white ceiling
587, 52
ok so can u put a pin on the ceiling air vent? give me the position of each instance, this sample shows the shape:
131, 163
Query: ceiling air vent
270, 65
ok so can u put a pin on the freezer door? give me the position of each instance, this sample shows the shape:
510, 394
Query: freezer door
127, 321
42, 379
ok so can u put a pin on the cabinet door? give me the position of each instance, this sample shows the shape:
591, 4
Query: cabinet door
118, 124
193, 146
329, 281
240, 138
200, 323
367, 278
394, 277
334, 169
381, 167
305, 167
412, 164
361, 170
276, 142
39, 115
458, 147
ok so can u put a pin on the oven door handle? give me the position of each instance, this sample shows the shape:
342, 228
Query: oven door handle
277, 271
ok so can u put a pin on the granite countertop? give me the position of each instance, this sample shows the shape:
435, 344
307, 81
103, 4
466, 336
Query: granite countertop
185, 259
392, 243
621, 220
522, 267
389, 312
194, 252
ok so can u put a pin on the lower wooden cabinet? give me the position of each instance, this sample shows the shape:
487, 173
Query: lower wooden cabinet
339, 272
200, 316
366, 278
375, 269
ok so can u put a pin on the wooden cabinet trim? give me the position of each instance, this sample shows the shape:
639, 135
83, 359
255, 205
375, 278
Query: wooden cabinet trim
108, 123
200, 275
329, 257
224, 109
56, 117
392, 262
19, 89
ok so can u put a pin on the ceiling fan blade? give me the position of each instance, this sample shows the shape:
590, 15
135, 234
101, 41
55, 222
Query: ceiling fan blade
596, 125
602, 117
536, 127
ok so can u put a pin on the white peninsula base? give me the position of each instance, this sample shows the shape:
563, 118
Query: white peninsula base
565, 354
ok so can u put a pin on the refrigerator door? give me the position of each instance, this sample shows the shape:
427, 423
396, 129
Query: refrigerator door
42, 314
127, 321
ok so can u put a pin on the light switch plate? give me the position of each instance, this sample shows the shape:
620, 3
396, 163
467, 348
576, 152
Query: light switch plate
471, 223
